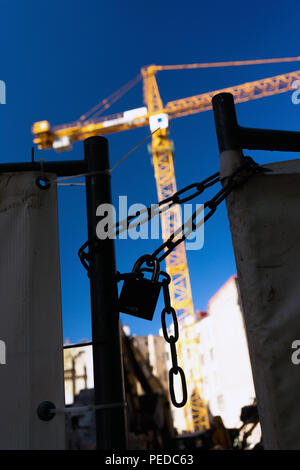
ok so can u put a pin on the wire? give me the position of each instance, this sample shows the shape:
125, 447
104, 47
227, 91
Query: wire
66, 178
134, 148
107, 102
83, 409
70, 184
58, 181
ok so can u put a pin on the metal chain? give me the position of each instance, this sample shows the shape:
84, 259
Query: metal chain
240, 176
151, 212
172, 340
167, 203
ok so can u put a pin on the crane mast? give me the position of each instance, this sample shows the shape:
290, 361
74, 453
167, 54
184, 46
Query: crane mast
157, 116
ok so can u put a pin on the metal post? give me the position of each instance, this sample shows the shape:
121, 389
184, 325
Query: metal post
108, 370
226, 124
231, 136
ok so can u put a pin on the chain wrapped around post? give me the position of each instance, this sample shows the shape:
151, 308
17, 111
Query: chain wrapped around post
239, 177
139, 295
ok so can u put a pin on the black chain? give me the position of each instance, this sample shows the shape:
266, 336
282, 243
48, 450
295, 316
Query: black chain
172, 340
240, 176
151, 212
168, 202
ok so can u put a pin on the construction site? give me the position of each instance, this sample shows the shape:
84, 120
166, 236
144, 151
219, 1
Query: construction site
150, 301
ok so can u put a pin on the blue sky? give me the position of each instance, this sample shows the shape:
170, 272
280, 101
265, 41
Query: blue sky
60, 58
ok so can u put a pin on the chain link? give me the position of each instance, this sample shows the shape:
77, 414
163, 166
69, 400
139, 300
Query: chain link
172, 340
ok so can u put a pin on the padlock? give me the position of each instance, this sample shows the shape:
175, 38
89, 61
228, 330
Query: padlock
139, 295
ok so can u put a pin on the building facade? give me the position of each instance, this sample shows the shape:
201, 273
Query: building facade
152, 347
222, 361
78, 369
226, 368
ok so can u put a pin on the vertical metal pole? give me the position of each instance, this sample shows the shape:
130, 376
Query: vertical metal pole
108, 370
227, 128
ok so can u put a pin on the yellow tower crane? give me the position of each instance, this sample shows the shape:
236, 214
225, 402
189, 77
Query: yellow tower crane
157, 115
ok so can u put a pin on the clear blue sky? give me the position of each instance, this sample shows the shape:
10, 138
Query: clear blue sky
59, 58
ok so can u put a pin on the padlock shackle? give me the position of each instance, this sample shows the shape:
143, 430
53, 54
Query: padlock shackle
149, 260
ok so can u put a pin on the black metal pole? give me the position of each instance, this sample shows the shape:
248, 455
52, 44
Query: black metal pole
108, 370
231, 136
226, 122
268, 139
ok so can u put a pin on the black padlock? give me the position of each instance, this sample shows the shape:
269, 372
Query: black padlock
139, 295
